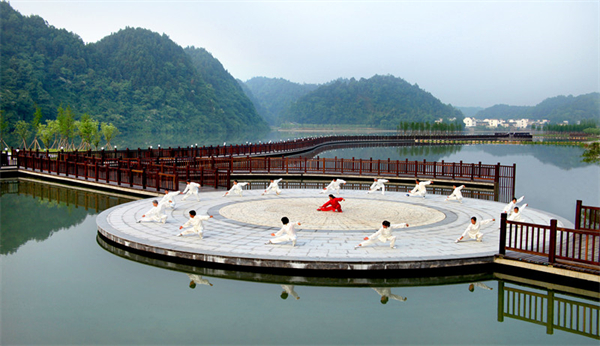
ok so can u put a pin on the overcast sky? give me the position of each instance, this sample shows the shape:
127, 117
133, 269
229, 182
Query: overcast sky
467, 53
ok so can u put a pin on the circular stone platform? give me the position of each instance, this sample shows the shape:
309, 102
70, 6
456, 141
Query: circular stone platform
241, 226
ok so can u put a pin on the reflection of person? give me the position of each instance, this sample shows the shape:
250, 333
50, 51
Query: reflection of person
287, 291
273, 186
236, 188
419, 190
334, 186
286, 233
456, 195
378, 184
480, 285
384, 234
155, 214
516, 213
195, 224
333, 204
386, 294
168, 199
513, 203
474, 229
197, 279
191, 189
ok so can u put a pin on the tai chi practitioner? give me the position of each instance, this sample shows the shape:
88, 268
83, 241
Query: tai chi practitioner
420, 189
474, 229
191, 189
516, 214
480, 285
236, 188
197, 279
332, 205
156, 214
287, 291
386, 294
168, 199
195, 224
273, 186
384, 234
334, 186
286, 233
378, 184
513, 203
456, 195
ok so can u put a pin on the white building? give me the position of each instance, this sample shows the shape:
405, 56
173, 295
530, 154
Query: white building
470, 122
521, 123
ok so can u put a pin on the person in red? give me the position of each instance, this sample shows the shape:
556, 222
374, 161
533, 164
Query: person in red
332, 204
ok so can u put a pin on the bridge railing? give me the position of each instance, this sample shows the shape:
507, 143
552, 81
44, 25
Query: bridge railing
587, 217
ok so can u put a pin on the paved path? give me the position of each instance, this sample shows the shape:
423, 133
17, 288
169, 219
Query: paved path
241, 226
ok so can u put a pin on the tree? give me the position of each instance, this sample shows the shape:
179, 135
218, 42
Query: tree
109, 131
85, 129
47, 132
35, 122
22, 130
66, 127
3, 128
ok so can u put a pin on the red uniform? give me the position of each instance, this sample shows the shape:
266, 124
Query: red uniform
332, 204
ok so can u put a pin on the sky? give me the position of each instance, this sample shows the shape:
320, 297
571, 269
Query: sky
466, 53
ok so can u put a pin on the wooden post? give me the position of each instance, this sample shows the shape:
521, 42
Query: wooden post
578, 214
500, 301
144, 178
502, 241
550, 313
130, 173
96, 170
552, 247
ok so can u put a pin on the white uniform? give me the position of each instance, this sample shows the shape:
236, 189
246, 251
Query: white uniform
274, 186
155, 214
511, 206
290, 290
286, 233
482, 285
516, 216
191, 189
379, 184
456, 195
168, 199
387, 292
236, 188
195, 225
334, 186
199, 280
384, 235
474, 230
420, 190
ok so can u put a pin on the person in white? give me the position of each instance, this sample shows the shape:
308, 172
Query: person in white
191, 189
513, 203
334, 186
168, 199
474, 229
286, 233
456, 195
287, 291
156, 214
195, 225
386, 294
420, 190
384, 234
378, 184
197, 279
516, 213
273, 186
236, 188
480, 285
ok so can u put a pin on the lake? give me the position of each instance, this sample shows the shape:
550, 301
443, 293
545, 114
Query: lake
60, 286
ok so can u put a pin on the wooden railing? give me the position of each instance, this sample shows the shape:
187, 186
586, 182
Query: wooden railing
587, 217
546, 309
576, 247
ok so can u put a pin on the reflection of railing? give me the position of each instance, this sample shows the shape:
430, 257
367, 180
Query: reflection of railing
548, 310
558, 244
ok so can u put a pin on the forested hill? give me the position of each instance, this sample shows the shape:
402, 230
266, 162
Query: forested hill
556, 109
381, 101
275, 95
139, 80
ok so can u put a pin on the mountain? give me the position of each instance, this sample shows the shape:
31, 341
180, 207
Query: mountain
380, 101
470, 111
556, 109
137, 79
275, 95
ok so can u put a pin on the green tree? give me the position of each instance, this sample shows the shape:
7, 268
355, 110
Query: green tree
66, 127
47, 132
109, 131
85, 130
22, 131
592, 153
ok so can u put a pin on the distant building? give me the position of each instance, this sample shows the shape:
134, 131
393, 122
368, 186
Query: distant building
522, 123
470, 122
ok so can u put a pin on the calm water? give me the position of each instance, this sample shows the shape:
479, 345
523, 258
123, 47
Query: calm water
60, 286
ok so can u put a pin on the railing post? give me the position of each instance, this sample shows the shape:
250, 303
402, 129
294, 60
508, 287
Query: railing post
502, 241
550, 313
130, 173
578, 214
96, 170
552, 248
144, 178
500, 301
497, 183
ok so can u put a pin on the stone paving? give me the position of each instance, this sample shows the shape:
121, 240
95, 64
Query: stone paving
242, 225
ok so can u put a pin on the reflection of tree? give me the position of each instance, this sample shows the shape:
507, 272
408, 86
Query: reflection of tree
413, 152
564, 157
592, 153
34, 210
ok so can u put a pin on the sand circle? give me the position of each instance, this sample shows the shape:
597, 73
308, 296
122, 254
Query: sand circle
358, 214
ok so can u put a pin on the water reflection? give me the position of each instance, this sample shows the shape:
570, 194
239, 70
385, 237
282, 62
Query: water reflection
288, 290
34, 210
198, 280
386, 294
